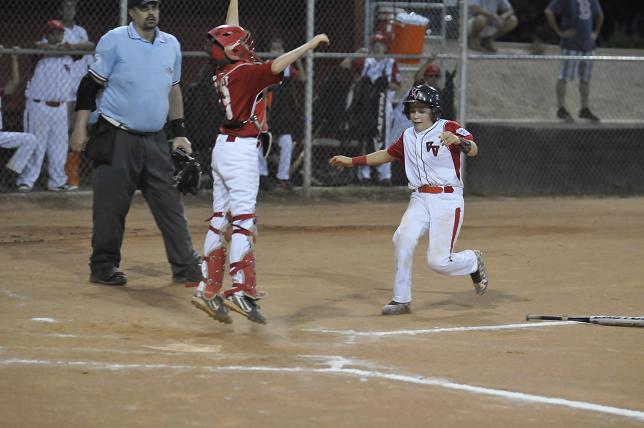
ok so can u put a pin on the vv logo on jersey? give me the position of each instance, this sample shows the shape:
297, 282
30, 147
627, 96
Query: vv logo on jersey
429, 145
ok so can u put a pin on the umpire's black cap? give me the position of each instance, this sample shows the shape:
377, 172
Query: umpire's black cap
139, 3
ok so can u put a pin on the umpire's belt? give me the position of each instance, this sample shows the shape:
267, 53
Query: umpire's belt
48, 103
434, 189
122, 127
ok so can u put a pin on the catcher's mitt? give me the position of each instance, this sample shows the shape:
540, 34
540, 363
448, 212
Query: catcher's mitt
187, 172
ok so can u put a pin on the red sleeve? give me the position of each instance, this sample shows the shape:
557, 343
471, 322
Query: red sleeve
294, 72
258, 77
358, 65
457, 129
395, 73
397, 149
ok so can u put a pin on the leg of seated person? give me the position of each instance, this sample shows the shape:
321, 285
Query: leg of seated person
285, 141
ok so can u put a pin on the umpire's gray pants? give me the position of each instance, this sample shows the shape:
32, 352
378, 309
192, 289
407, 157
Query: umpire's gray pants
142, 162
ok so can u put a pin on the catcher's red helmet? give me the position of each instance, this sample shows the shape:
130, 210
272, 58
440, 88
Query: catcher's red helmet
233, 43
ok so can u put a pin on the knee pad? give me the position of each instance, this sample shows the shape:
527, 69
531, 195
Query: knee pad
244, 224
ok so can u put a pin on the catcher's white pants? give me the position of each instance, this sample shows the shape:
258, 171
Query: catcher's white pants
285, 142
442, 215
49, 125
235, 185
24, 159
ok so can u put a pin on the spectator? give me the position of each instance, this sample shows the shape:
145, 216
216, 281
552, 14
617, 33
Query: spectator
489, 20
28, 149
579, 26
283, 117
75, 39
380, 81
429, 73
138, 97
46, 112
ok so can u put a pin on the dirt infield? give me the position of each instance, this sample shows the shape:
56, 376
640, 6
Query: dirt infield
75, 354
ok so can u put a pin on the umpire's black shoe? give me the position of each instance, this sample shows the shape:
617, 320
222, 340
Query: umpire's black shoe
192, 273
112, 277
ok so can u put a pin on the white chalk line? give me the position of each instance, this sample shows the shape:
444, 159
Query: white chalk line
336, 367
439, 329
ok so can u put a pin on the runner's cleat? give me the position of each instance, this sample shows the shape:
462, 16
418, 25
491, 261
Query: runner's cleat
479, 278
395, 308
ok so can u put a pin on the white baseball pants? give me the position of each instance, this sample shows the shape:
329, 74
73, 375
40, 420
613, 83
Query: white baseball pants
49, 125
235, 184
24, 159
442, 215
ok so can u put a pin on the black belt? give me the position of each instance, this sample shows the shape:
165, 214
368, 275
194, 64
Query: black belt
122, 127
48, 103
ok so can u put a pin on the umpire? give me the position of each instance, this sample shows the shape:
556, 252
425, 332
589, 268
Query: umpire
138, 67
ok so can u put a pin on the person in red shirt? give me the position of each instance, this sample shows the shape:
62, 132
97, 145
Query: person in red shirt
431, 151
242, 80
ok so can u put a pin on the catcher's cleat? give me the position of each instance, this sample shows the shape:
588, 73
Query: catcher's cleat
479, 278
247, 306
214, 307
395, 308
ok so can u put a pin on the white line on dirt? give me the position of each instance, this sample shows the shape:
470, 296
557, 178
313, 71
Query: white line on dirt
439, 329
43, 319
336, 367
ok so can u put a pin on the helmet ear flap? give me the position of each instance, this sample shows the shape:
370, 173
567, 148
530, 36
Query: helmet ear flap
217, 52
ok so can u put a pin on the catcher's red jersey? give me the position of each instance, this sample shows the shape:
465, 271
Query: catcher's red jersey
241, 96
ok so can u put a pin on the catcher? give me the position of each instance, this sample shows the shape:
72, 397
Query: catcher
241, 80
431, 151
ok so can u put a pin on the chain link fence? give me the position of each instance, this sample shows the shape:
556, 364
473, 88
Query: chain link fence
507, 99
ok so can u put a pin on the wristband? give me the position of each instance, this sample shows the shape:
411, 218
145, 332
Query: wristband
466, 145
359, 160
178, 128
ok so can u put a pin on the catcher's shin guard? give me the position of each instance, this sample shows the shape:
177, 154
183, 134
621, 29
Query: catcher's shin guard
213, 272
247, 267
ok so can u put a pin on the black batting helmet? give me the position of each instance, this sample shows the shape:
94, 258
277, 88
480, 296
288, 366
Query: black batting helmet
424, 94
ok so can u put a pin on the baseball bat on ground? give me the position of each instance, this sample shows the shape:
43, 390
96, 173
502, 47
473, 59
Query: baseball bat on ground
597, 319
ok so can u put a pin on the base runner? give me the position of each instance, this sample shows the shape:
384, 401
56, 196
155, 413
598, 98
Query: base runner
431, 151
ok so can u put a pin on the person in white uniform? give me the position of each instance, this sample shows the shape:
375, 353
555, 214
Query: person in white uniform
431, 150
26, 144
47, 93
374, 69
75, 38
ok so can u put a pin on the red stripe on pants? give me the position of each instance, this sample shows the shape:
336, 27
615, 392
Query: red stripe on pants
457, 219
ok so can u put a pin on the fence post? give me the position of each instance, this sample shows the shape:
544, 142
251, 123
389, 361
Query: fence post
123, 12
308, 100
462, 87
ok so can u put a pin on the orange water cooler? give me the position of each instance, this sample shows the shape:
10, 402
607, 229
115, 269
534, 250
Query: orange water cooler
409, 39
